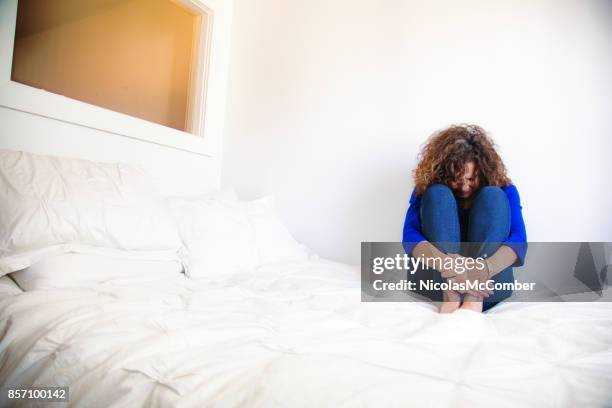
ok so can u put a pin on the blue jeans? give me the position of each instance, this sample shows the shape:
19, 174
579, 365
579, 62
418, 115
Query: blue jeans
488, 225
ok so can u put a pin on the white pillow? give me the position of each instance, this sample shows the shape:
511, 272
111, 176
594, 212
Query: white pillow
226, 236
85, 270
273, 240
51, 205
217, 236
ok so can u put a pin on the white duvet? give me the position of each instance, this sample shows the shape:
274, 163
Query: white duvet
297, 335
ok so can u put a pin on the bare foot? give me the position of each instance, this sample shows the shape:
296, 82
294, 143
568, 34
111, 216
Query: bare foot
451, 302
449, 307
472, 303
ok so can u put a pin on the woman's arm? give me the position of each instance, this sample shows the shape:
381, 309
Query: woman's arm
500, 260
412, 224
427, 250
517, 240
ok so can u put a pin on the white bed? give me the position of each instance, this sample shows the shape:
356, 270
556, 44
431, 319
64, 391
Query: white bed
297, 335
257, 320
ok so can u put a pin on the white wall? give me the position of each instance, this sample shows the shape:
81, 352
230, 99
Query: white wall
330, 100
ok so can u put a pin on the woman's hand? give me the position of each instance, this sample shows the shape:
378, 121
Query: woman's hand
449, 272
481, 276
472, 274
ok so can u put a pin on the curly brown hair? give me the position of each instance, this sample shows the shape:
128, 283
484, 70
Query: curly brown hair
446, 152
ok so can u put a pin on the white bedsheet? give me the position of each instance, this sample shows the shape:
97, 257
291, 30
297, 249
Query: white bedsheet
297, 335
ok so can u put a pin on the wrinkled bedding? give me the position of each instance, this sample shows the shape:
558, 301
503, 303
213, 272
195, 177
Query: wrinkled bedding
297, 335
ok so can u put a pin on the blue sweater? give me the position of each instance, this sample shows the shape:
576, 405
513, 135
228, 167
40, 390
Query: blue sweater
517, 239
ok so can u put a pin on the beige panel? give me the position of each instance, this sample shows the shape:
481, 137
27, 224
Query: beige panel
130, 56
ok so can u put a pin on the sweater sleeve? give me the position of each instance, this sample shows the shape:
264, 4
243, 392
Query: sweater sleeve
517, 239
412, 225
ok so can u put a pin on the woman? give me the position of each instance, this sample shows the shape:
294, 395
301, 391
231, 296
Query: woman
464, 205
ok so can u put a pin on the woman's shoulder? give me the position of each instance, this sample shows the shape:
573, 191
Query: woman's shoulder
413, 196
512, 193
510, 188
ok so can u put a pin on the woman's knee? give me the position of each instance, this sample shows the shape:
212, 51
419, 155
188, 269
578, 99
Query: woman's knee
441, 189
439, 194
493, 195
490, 207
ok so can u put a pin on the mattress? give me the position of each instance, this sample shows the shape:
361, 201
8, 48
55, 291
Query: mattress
297, 335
